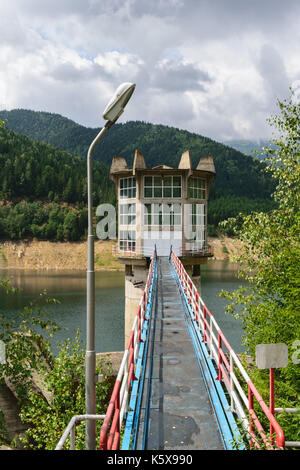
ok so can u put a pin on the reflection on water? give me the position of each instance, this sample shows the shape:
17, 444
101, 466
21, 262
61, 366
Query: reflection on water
217, 276
70, 288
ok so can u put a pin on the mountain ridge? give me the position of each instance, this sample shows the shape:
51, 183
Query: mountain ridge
237, 173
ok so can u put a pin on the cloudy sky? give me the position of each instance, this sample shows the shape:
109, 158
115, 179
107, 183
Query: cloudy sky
214, 67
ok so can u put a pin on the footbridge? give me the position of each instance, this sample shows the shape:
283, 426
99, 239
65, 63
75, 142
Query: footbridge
180, 384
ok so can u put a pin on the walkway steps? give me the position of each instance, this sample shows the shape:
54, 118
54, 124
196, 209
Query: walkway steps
179, 413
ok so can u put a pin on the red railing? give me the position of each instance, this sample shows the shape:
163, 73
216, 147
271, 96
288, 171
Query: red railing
118, 405
225, 360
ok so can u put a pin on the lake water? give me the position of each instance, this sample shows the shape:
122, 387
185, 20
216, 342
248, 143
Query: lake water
69, 288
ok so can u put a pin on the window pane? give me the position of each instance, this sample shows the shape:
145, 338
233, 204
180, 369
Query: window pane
148, 180
166, 219
176, 181
157, 181
177, 219
147, 209
148, 192
177, 208
158, 192
176, 192
167, 192
168, 181
155, 219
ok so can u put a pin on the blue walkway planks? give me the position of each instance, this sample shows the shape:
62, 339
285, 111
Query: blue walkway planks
176, 411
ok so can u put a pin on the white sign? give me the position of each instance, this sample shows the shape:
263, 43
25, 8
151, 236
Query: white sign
270, 356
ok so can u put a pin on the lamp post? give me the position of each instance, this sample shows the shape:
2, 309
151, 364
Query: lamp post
112, 112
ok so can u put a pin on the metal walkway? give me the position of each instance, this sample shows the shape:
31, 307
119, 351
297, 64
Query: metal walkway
180, 385
176, 411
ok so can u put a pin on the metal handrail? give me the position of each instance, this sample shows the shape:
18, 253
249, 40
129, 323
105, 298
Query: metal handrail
118, 405
182, 252
71, 430
225, 359
204, 251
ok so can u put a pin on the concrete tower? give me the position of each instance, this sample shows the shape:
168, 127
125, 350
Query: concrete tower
160, 206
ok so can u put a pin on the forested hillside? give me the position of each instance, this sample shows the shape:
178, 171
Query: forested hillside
43, 191
35, 171
237, 174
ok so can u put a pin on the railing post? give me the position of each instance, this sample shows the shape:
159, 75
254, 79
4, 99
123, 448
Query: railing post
139, 325
204, 324
133, 358
219, 356
272, 405
117, 410
211, 338
73, 437
144, 305
250, 408
196, 306
126, 373
231, 381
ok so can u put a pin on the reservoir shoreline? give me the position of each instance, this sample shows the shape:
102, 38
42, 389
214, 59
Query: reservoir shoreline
46, 255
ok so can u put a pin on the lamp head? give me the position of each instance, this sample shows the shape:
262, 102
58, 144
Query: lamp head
116, 105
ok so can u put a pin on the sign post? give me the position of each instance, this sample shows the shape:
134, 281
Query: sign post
271, 356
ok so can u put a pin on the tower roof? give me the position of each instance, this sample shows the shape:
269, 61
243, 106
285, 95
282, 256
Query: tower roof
119, 166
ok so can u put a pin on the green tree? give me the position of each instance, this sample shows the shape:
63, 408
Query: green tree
28, 350
270, 260
65, 382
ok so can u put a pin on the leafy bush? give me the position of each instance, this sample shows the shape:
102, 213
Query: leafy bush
28, 351
65, 382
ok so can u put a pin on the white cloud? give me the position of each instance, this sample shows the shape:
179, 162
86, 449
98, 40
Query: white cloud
203, 65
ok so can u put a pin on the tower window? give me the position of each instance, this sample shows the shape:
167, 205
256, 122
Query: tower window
127, 188
127, 240
127, 214
162, 187
196, 226
197, 215
197, 188
162, 214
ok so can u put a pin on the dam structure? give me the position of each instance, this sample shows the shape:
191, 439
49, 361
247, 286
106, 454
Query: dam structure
160, 206
180, 385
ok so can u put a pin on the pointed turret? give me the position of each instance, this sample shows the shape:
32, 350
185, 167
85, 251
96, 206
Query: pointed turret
139, 162
118, 164
206, 164
185, 161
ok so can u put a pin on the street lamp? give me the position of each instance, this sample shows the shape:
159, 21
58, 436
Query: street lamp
112, 112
